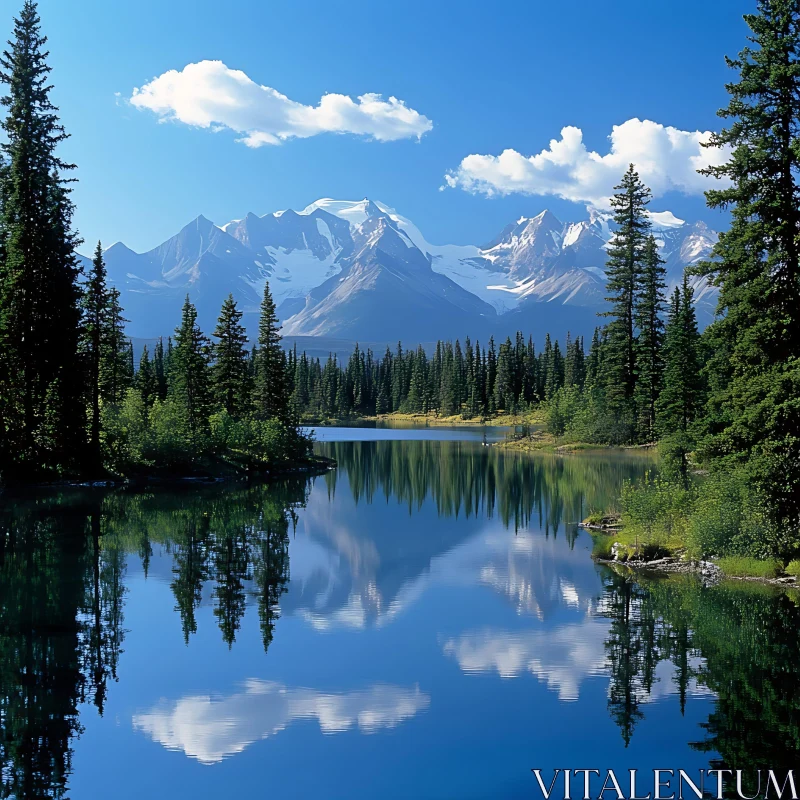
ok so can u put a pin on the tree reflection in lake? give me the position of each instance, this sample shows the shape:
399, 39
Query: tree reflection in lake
62, 566
60, 636
471, 519
463, 479
737, 640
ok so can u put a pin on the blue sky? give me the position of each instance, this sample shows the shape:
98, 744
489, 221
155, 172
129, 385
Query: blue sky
488, 76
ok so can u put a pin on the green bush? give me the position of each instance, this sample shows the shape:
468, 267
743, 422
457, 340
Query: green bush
602, 544
137, 440
582, 416
793, 568
125, 433
729, 519
747, 567
169, 441
656, 510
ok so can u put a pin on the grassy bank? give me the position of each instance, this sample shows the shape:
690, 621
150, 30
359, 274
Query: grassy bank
535, 417
716, 521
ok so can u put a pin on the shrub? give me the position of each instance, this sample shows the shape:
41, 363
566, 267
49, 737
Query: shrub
729, 519
125, 433
747, 567
602, 544
170, 442
595, 517
793, 568
656, 510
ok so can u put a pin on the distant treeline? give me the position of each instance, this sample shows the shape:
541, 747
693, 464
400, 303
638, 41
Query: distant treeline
469, 380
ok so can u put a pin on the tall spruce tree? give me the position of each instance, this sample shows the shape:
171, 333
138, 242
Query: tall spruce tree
230, 371
680, 398
95, 306
190, 384
271, 396
145, 381
624, 267
756, 265
160, 369
649, 308
40, 380
116, 371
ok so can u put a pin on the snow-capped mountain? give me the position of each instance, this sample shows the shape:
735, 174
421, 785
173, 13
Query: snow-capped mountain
360, 270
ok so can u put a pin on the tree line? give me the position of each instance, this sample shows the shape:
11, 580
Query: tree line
466, 380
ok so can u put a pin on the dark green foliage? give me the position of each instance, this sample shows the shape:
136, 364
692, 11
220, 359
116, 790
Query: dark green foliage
116, 360
754, 408
190, 384
271, 398
230, 371
160, 370
467, 381
680, 401
624, 269
145, 380
95, 304
41, 408
649, 309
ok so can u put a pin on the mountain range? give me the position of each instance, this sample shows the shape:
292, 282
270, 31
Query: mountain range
361, 271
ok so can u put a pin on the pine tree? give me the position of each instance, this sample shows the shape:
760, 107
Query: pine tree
145, 381
115, 368
503, 385
756, 265
230, 371
649, 364
190, 384
160, 369
40, 376
271, 397
491, 374
530, 381
594, 360
623, 268
94, 303
680, 399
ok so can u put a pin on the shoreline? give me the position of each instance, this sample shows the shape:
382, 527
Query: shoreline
708, 571
313, 465
433, 420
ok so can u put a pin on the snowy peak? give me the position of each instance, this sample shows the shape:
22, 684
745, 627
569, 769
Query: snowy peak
358, 268
319, 233
381, 232
526, 246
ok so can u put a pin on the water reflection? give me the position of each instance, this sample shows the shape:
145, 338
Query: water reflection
737, 641
562, 658
210, 729
419, 579
61, 598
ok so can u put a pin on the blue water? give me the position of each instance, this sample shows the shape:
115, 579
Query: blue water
443, 630
435, 433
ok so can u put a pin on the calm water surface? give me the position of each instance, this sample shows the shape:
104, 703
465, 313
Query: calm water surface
426, 621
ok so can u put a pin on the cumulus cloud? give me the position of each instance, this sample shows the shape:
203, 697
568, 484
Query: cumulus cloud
666, 158
561, 657
212, 729
210, 95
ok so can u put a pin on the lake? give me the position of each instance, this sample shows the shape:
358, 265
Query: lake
425, 621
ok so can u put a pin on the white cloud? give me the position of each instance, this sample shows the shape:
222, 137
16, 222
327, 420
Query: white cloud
211, 729
666, 158
562, 657
210, 95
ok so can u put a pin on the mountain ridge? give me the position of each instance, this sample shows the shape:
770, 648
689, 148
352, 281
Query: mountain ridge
359, 270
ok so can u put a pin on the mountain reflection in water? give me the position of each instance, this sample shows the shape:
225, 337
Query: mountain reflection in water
422, 586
